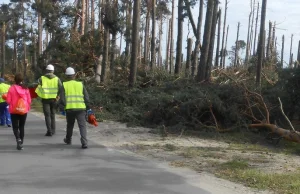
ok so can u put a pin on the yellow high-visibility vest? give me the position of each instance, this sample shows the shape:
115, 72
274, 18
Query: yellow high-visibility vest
3, 90
49, 88
74, 95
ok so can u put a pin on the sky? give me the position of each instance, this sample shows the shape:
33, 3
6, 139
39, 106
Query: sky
284, 12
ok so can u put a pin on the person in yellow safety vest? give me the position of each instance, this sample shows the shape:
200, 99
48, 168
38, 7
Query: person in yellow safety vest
74, 99
49, 86
5, 118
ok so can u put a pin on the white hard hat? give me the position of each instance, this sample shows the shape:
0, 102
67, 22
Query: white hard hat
70, 71
50, 67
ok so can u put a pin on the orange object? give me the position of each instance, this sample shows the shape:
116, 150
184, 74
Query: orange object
4, 97
92, 120
32, 92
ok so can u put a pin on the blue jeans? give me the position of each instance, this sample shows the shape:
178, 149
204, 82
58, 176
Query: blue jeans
4, 114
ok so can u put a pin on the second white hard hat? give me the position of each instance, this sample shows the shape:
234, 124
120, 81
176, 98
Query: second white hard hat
50, 67
70, 71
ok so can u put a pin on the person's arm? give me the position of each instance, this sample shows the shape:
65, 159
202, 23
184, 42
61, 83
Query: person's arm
9, 95
39, 81
62, 99
59, 87
86, 98
28, 96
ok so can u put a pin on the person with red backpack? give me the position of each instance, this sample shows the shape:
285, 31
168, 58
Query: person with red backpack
19, 100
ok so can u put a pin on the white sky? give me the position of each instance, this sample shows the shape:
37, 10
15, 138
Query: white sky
284, 12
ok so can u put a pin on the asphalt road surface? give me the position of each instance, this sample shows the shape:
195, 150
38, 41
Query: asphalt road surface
48, 166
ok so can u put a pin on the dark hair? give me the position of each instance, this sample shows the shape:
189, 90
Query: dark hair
19, 78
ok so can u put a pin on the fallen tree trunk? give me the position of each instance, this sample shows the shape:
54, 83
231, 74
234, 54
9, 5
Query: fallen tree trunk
293, 136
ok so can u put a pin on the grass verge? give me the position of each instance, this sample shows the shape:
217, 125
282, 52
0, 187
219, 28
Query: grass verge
240, 171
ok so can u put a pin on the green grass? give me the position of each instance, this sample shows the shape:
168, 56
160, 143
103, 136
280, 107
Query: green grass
240, 171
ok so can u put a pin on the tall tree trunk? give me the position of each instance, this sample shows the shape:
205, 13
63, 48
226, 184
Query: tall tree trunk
40, 31
261, 44
168, 45
15, 66
100, 26
236, 52
160, 40
269, 41
83, 19
171, 38
291, 60
3, 34
255, 34
113, 54
206, 41
298, 54
105, 54
212, 41
128, 28
87, 18
198, 40
146, 40
153, 53
225, 51
135, 42
248, 38
224, 28
219, 38
251, 32
273, 44
188, 58
179, 37
92, 15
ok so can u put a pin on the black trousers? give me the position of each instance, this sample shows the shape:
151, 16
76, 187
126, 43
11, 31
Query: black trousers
79, 115
18, 125
49, 109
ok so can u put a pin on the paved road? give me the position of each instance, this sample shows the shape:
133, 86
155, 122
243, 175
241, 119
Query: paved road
48, 166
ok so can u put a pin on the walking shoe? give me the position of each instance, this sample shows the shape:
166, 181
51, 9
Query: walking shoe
49, 134
68, 142
84, 146
19, 145
8, 125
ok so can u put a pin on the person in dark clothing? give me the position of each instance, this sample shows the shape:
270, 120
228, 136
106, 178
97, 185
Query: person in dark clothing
74, 99
48, 90
18, 113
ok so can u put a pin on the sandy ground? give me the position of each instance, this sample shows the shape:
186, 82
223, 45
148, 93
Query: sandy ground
169, 152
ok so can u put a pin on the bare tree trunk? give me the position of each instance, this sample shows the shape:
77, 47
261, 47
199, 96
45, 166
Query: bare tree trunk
188, 58
160, 40
112, 54
40, 31
105, 54
251, 33
100, 15
146, 40
128, 28
219, 38
212, 41
291, 47
282, 52
168, 45
135, 42
206, 41
273, 44
224, 28
269, 41
298, 54
248, 38
83, 19
255, 35
87, 18
92, 15
179, 37
198, 40
236, 56
153, 53
261, 44
171, 38
3, 34
225, 51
